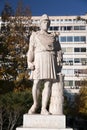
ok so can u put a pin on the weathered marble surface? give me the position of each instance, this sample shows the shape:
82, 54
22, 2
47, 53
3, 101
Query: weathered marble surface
43, 122
56, 101
44, 60
21, 128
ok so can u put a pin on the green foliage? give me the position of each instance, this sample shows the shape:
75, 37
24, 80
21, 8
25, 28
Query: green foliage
78, 107
6, 86
14, 38
68, 106
15, 86
81, 100
81, 19
12, 107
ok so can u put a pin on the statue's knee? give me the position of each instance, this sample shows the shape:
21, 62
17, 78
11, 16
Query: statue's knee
36, 84
48, 83
36, 81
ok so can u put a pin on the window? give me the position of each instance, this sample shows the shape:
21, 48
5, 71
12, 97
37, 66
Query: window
79, 28
83, 61
76, 71
63, 39
52, 21
64, 60
79, 38
72, 39
69, 39
69, 27
65, 28
51, 28
70, 60
82, 27
66, 20
57, 20
62, 28
76, 39
67, 71
80, 60
69, 49
79, 49
70, 19
76, 50
68, 83
56, 28
76, 60
76, 27
63, 49
61, 20
74, 20
83, 49
83, 38
78, 83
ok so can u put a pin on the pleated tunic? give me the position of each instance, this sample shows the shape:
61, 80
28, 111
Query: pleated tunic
43, 55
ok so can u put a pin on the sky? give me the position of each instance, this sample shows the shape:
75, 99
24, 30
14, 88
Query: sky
51, 7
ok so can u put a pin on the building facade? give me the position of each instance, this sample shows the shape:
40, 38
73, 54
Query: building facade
73, 39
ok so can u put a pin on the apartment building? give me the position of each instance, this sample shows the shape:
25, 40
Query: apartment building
73, 39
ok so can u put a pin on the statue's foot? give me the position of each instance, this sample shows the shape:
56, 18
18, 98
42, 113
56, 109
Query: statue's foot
45, 112
32, 110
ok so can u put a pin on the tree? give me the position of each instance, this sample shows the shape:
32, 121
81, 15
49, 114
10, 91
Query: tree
7, 12
81, 100
14, 39
81, 19
4, 32
12, 107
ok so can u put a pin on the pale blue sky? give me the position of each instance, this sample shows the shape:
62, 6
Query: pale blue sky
51, 7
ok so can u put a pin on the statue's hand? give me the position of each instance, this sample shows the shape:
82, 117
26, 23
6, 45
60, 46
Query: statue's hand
31, 66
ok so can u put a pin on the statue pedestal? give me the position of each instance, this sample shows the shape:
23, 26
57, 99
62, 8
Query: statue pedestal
43, 122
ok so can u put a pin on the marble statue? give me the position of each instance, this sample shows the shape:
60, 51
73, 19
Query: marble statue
44, 60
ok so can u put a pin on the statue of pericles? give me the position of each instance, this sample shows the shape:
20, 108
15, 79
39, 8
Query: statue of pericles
43, 63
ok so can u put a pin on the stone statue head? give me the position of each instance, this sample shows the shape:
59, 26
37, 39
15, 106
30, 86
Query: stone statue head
44, 17
44, 21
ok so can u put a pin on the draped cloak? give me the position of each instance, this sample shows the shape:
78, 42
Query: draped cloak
42, 53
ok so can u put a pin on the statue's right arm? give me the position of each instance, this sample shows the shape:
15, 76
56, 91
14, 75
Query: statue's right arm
30, 54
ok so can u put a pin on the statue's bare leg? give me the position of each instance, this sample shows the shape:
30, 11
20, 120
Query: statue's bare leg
45, 97
35, 94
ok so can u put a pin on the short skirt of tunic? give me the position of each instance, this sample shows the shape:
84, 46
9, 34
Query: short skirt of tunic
45, 66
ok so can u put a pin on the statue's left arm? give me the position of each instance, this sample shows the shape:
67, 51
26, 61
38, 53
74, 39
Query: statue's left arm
58, 51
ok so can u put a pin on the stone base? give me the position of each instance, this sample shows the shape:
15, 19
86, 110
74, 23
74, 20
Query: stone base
21, 128
44, 122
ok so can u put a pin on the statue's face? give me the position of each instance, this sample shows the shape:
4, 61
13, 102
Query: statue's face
44, 25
